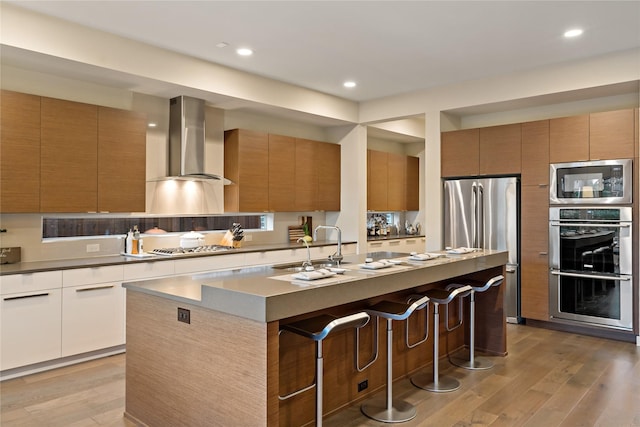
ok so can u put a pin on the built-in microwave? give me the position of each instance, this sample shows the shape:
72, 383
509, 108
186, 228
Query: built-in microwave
594, 182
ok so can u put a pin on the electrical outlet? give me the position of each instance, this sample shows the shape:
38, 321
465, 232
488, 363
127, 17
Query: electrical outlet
93, 248
362, 385
184, 315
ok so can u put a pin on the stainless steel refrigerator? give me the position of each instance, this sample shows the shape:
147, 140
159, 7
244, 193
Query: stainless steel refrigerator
485, 213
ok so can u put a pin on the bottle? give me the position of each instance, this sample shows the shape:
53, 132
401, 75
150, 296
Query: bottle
128, 242
136, 240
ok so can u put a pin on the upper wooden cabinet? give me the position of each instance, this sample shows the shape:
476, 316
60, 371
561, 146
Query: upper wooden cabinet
68, 156
460, 153
377, 174
19, 152
246, 164
612, 135
282, 155
392, 181
569, 139
535, 153
412, 191
306, 169
499, 150
329, 181
122, 141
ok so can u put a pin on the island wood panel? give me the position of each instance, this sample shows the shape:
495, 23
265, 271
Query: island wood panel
377, 182
68, 156
122, 139
282, 157
19, 152
412, 191
612, 135
535, 153
460, 153
534, 258
246, 164
500, 150
306, 174
396, 182
212, 371
569, 139
329, 179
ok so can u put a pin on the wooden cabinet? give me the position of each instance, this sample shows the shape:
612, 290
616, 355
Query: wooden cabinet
535, 153
19, 152
392, 182
611, 135
329, 176
499, 150
282, 157
534, 270
377, 178
122, 141
412, 187
460, 153
569, 139
396, 182
306, 168
246, 164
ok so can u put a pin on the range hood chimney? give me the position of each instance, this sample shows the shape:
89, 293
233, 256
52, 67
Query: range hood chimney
187, 140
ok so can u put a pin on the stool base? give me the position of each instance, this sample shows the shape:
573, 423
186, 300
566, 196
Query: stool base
399, 412
445, 384
479, 363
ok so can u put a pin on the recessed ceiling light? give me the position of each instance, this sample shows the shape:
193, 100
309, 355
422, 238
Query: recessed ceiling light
573, 33
349, 84
243, 51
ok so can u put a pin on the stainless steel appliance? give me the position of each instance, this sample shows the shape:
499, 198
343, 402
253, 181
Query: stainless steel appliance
590, 278
484, 213
190, 251
596, 182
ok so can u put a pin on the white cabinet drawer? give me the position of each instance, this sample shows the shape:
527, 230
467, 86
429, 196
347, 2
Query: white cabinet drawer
275, 257
148, 270
208, 263
30, 327
28, 282
93, 317
86, 276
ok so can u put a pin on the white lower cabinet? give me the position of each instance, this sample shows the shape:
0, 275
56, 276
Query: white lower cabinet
93, 317
30, 321
408, 245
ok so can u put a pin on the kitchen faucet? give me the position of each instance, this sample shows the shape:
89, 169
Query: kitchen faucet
307, 262
337, 257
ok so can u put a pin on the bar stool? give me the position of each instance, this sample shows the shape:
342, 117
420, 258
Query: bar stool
435, 383
392, 410
317, 328
472, 362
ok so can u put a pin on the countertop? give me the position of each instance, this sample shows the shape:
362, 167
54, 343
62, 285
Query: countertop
100, 261
395, 237
261, 294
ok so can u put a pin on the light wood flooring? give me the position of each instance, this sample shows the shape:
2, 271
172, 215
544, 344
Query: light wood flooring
549, 378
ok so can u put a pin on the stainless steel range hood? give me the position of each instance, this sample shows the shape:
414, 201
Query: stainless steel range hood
187, 140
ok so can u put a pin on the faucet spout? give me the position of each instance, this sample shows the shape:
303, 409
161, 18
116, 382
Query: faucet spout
307, 262
337, 256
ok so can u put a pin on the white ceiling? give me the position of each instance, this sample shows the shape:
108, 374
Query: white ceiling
388, 47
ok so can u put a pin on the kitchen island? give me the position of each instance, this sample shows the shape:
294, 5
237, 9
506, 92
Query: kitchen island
205, 350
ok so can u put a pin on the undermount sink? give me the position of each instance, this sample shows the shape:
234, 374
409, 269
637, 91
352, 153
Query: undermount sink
297, 266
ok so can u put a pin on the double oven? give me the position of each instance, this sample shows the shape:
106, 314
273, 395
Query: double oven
590, 243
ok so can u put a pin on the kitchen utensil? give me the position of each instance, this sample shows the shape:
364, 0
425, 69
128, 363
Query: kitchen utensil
191, 240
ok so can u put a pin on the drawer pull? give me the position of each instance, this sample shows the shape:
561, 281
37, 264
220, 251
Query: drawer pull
26, 296
95, 288
543, 253
376, 244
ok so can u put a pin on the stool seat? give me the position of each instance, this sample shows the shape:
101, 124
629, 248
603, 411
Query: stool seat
443, 296
396, 310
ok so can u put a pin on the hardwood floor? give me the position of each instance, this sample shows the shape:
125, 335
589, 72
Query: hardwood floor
549, 378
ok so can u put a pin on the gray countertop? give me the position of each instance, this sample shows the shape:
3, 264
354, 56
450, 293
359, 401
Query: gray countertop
100, 261
266, 294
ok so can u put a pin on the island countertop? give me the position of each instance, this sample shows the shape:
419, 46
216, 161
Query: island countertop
267, 294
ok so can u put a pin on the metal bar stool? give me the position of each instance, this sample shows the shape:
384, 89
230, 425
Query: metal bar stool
472, 362
436, 383
317, 328
392, 410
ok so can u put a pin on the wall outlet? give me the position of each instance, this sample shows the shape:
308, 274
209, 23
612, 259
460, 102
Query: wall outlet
248, 237
93, 247
184, 315
362, 385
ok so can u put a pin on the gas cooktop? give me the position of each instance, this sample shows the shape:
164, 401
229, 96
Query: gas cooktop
190, 251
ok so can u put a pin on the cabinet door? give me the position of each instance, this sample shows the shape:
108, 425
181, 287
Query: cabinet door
92, 317
19, 152
122, 139
396, 182
412, 185
377, 172
30, 327
460, 153
534, 257
329, 181
569, 139
306, 175
611, 135
535, 153
68, 156
246, 163
500, 150
282, 158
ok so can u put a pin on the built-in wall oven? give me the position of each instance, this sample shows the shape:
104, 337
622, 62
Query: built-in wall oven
590, 254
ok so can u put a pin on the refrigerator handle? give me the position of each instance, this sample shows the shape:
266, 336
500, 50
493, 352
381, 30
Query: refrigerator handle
480, 215
474, 219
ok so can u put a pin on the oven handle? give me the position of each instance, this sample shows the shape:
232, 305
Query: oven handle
588, 224
590, 276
